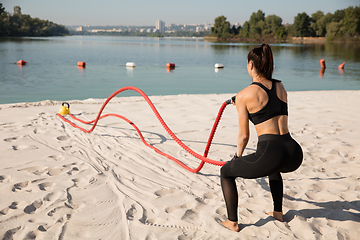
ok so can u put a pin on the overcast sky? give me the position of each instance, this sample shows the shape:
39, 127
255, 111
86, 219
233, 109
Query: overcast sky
147, 12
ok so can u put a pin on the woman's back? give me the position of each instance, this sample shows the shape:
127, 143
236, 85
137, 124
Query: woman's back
256, 100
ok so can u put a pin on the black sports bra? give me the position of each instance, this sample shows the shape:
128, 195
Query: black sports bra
274, 106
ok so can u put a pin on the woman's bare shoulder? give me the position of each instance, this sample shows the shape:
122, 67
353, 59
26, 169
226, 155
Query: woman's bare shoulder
246, 92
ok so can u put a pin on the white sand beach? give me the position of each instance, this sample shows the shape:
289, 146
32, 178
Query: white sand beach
57, 182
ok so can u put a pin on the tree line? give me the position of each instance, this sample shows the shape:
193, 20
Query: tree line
20, 25
342, 23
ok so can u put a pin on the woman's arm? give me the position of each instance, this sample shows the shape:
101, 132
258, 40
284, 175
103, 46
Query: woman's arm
243, 117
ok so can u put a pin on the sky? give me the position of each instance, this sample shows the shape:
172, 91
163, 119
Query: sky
147, 12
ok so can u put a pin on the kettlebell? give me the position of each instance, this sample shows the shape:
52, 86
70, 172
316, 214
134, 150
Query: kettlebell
64, 109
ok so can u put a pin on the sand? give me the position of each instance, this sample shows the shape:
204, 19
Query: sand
57, 182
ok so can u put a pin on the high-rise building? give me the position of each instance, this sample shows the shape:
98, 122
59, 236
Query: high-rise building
160, 26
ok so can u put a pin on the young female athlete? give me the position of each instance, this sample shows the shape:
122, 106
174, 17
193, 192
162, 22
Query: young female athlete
264, 103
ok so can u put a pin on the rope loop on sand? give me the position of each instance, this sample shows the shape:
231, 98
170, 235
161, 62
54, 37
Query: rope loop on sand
203, 158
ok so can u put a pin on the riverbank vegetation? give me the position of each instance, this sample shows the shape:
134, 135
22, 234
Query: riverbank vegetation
22, 25
338, 26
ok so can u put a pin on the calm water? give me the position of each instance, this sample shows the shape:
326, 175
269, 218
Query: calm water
52, 72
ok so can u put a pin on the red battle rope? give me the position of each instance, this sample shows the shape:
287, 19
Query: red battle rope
203, 158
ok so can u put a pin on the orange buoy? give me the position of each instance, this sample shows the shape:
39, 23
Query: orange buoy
21, 62
170, 65
322, 63
81, 64
341, 66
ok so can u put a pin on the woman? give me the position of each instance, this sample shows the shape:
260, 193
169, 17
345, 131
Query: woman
264, 103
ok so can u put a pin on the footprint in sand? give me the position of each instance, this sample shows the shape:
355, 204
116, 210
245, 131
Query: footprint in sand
62, 138
29, 209
37, 170
57, 157
190, 216
65, 148
164, 192
208, 197
5, 178
131, 213
45, 186
187, 205
24, 147
20, 186
54, 196
13, 206
39, 131
70, 169
10, 233
55, 171
221, 211
62, 220
11, 139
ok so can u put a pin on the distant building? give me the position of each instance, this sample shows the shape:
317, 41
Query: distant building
160, 26
207, 26
79, 29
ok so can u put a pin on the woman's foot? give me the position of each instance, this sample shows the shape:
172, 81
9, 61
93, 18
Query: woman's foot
277, 215
231, 225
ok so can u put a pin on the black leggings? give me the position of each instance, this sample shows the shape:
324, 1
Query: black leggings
274, 154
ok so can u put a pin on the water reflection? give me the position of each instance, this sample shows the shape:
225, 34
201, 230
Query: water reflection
130, 71
81, 70
218, 69
23, 39
168, 70
345, 51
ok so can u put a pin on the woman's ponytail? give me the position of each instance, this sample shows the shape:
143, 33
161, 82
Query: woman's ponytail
263, 60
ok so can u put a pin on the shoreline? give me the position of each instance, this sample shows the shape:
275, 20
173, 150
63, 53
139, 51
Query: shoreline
58, 182
290, 40
48, 102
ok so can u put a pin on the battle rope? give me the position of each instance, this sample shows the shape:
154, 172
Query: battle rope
203, 158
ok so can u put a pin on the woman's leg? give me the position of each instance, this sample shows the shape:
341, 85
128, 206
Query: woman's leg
230, 193
276, 188
264, 162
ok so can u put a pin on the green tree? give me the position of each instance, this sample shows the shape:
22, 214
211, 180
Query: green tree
221, 27
352, 21
281, 33
272, 24
315, 24
338, 15
301, 25
321, 25
19, 25
334, 30
245, 30
235, 30
257, 23
2, 10
3, 21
